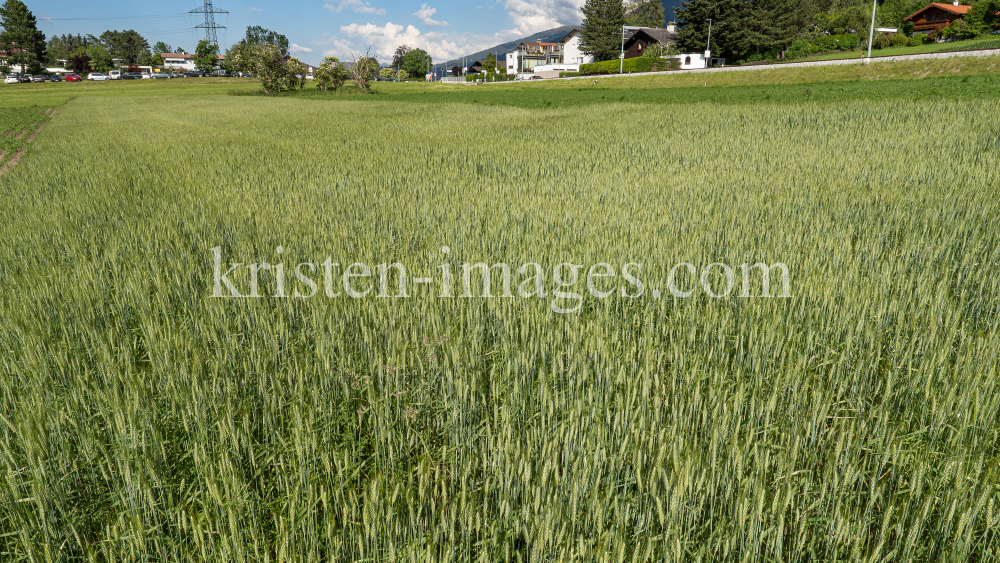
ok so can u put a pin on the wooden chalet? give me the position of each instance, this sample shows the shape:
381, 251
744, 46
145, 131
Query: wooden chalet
644, 38
935, 17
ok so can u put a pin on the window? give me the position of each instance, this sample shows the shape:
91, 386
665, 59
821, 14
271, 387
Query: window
687, 60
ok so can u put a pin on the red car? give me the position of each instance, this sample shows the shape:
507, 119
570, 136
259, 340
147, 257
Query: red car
72, 78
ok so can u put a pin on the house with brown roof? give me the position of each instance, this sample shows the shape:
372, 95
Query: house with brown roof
645, 37
935, 17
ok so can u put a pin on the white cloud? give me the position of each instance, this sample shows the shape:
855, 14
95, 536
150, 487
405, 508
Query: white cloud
425, 12
384, 40
256, 9
530, 16
354, 6
298, 49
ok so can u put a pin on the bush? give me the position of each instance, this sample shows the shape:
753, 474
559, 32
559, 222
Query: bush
568, 74
798, 49
844, 42
638, 64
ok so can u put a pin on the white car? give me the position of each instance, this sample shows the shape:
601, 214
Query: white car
11, 79
98, 76
146, 76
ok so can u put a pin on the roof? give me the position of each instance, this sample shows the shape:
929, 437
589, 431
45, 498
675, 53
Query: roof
960, 10
658, 34
570, 34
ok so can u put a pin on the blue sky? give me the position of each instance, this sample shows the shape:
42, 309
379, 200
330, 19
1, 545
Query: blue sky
316, 28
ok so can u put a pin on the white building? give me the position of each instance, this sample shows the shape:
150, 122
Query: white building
552, 71
182, 61
571, 49
699, 60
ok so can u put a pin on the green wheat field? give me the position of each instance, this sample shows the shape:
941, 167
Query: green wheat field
142, 420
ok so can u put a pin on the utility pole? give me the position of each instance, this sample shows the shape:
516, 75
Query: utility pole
209, 25
871, 32
621, 66
708, 46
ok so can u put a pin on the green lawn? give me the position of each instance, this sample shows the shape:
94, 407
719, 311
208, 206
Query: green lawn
970, 44
855, 420
51, 94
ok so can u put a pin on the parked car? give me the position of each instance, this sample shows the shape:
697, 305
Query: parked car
72, 77
55, 78
25, 79
97, 76
114, 74
132, 76
218, 73
145, 76
158, 75
40, 78
194, 74
12, 78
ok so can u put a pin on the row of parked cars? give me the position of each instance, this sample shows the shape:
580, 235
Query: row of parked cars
16, 78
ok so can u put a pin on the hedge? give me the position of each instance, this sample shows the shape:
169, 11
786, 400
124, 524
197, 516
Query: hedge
638, 64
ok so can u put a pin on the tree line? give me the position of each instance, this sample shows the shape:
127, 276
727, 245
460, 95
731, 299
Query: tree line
757, 29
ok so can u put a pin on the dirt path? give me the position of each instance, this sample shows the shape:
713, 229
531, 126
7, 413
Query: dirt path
32, 131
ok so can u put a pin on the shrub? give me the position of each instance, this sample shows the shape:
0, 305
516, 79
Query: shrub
568, 74
638, 64
844, 42
798, 49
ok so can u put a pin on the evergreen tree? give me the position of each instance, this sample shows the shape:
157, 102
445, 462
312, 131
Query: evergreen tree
602, 28
20, 39
731, 27
644, 13
775, 24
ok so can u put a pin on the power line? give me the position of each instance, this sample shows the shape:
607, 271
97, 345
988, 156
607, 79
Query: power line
209, 25
112, 18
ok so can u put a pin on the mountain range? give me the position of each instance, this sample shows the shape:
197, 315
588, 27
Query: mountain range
548, 36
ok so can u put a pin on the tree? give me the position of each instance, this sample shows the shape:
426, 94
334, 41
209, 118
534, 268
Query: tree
62, 47
983, 18
644, 13
730, 27
295, 73
416, 62
363, 70
257, 34
20, 39
490, 65
205, 56
327, 75
387, 72
100, 58
775, 24
399, 55
602, 28
128, 46
264, 61
160, 47
79, 62
403, 75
